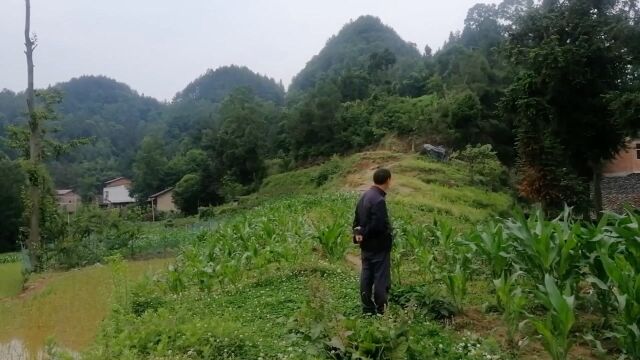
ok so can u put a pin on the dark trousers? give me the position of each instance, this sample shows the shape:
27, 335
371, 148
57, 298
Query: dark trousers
375, 281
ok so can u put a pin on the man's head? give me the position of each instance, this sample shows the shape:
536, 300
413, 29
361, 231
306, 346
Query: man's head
382, 178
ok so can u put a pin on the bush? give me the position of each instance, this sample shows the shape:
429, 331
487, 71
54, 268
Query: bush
327, 171
91, 235
187, 194
483, 167
146, 297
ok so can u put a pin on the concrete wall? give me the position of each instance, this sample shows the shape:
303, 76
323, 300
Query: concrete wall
117, 194
618, 191
69, 202
165, 203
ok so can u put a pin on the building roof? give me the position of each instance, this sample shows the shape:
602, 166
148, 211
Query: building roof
63, 192
160, 193
114, 180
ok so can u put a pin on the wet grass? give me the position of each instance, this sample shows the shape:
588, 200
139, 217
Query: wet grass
10, 279
67, 306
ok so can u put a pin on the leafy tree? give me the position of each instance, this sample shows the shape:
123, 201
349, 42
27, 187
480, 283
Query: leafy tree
11, 204
354, 85
187, 192
182, 164
381, 61
149, 168
574, 57
312, 128
236, 149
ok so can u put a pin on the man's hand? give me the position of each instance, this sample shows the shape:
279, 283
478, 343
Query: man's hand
359, 239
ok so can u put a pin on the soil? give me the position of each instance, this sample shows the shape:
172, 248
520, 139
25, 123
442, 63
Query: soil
34, 287
354, 261
479, 323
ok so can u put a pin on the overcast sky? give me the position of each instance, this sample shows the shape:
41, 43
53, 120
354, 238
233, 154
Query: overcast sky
159, 46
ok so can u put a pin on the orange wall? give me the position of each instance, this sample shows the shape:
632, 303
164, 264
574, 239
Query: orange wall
626, 163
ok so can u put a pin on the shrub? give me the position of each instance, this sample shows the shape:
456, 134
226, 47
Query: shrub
483, 167
145, 297
187, 193
327, 171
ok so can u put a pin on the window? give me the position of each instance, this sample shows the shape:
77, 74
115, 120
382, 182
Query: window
106, 195
638, 151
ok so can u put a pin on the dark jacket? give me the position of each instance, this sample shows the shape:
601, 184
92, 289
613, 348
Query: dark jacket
371, 215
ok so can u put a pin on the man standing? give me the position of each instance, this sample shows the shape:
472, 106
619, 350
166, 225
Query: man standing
372, 231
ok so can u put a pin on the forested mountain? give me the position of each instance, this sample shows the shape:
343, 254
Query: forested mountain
114, 117
366, 83
216, 84
187, 141
111, 115
351, 49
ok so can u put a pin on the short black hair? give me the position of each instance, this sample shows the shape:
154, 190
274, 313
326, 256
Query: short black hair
381, 176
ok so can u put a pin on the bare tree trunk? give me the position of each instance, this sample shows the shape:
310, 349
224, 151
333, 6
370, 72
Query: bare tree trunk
33, 242
597, 189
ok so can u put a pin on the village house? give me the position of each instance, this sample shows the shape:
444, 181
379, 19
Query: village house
163, 201
116, 193
68, 201
621, 179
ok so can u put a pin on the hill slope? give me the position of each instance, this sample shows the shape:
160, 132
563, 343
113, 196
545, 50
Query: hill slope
215, 85
351, 48
435, 188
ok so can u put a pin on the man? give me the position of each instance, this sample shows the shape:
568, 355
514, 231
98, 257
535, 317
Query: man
372, 231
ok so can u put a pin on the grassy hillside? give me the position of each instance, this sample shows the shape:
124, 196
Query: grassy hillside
429, 187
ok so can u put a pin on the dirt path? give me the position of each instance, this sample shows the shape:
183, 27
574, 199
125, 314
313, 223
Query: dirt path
354, 261
360, 179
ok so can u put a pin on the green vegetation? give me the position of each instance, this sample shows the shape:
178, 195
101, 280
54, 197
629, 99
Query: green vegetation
353, 48
275, 264
571, 80
68, 306
11, 206
11, 275
272, 275
434, 188
215, 85
486, 85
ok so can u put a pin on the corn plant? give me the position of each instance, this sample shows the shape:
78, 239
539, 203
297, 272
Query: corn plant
544, 247
417, 239
594, 236
625, 280
453, 262
513, 303
555, 329
489, 242
331, 238
456, 282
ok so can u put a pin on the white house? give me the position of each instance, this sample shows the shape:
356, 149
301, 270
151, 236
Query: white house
116, 192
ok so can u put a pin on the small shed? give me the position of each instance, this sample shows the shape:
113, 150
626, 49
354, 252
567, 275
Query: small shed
163, 201
68, 200
437, 152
